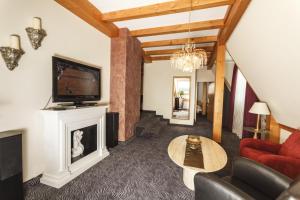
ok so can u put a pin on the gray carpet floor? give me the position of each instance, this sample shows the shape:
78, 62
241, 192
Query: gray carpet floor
139, 170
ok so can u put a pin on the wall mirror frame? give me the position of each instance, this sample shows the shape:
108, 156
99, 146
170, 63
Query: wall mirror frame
181, 97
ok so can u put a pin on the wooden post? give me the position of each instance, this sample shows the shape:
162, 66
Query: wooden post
219, 93
274, 128
204, 98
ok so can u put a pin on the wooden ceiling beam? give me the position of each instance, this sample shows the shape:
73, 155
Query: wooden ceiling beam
157, 58
171, 51
196, 40
212, 59
147, 59
195, 26
90, 14
219, 93
158, 9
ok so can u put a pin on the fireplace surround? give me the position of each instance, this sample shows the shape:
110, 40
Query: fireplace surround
74, 140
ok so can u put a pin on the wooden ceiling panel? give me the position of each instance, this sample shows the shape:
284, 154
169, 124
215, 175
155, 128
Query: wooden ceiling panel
195, 26
162, 9
197, 40
208, 49
157, 58
103, 22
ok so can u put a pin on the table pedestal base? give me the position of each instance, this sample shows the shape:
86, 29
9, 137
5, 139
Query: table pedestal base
188, 178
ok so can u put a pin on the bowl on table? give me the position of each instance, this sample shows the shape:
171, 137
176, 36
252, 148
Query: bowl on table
193, 141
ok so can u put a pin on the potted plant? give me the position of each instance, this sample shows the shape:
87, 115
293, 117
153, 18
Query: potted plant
180, 94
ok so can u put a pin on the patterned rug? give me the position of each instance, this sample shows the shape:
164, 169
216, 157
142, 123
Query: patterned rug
139, 170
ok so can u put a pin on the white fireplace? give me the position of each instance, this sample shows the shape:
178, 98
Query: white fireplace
60, 128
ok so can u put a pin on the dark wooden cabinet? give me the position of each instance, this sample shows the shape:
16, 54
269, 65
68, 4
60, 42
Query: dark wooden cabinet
112, 129
210, 107
11, 180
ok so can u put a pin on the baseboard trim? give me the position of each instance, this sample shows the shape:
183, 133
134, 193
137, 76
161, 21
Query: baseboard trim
148, 111
62, 178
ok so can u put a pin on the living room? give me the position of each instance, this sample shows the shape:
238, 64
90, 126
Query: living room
100, 100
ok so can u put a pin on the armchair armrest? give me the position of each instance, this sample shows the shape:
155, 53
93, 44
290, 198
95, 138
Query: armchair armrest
292, 193
260, 177
287, 165
210, 187
260, 145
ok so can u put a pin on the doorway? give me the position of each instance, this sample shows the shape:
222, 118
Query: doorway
205, 100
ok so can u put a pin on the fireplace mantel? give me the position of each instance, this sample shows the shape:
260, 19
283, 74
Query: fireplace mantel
58, 126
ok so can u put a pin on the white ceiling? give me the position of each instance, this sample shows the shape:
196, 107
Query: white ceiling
113, 5
172, 19
165, 20
180, 35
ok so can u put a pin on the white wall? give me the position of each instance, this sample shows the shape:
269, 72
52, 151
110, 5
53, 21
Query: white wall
229, 66
265, 45
158, 83
26, 90
199, 91
284, 134
205, 75
211, 88
239, 105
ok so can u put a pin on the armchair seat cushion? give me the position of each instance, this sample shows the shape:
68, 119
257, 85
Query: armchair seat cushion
291, 147
284, 164
253, 154
246, 188
284, 158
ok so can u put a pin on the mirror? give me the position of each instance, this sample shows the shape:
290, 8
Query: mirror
181, 98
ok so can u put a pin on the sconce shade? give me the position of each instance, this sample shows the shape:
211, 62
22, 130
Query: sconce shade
11, 56
35, 36
260, 108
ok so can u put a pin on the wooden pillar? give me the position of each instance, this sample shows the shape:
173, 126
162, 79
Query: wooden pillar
125, 82
219, 93
204, 98
274, 128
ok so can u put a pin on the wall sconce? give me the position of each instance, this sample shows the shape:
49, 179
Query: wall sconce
35, 33
13, 53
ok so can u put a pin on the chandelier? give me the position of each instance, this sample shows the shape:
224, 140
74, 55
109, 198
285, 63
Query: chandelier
189, 58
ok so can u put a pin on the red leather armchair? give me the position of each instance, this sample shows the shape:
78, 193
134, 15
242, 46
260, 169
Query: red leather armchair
284, 158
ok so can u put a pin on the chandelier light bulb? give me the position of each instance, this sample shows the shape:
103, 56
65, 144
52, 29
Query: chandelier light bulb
189, 58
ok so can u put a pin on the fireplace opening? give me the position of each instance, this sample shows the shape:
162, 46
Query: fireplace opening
83, 142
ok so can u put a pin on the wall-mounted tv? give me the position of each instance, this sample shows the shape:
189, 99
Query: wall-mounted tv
74, 82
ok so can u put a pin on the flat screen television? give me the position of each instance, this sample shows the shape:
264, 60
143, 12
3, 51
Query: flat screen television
74, 82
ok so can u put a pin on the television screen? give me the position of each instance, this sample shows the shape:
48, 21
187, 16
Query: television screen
74, 82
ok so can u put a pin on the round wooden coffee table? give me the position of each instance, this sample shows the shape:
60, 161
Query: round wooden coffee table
214, 157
